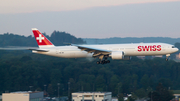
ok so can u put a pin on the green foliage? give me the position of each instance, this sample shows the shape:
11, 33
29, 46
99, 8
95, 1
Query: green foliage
177, 44
160, 94
9, 39
130, 99
141, 93
21, 69
120, 97
18, 72
58, 38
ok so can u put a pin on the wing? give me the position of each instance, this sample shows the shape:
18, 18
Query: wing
23, 48
96, 52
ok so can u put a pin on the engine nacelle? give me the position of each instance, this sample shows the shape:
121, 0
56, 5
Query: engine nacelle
117, 55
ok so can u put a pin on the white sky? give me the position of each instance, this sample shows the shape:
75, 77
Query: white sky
26, 6
92, 18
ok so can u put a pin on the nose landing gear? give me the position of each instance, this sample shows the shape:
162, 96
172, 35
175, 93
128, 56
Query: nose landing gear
167, 57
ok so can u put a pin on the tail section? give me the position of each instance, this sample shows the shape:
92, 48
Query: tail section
41, 40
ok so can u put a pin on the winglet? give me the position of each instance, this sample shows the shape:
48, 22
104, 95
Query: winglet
41, 40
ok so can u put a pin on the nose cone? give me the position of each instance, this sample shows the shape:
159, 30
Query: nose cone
176, 49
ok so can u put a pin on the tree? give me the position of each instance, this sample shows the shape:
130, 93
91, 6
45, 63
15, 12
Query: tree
120, 97
141, 93
100, 83
50, 90
114, 84
145, 81
154, 96
161, 94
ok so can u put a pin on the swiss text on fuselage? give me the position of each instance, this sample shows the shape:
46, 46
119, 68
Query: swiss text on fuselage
149, 48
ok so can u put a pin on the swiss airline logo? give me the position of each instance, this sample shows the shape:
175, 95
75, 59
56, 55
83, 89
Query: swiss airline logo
40, 38
149, 48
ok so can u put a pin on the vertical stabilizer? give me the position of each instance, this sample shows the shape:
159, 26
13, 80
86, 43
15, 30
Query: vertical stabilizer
41, 40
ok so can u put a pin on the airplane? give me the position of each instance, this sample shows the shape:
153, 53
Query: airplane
101, 51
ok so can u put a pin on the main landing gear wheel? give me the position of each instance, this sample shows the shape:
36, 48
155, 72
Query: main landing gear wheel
103, 62
166, 59
108, 61
98, 62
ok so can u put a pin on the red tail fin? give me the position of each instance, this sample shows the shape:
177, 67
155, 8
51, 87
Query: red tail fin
42, 41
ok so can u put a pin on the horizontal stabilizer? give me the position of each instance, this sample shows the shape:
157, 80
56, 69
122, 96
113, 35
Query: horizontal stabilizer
39, 50
23, 48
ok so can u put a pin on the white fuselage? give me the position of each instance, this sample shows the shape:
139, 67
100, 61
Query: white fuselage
134, 49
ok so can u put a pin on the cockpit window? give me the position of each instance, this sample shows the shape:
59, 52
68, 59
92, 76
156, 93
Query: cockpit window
173, 47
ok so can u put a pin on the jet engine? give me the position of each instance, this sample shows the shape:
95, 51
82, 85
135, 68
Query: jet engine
117, 55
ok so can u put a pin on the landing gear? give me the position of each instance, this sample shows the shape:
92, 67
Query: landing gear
167, 57
108, 61
103, 59
98, 62
103, 62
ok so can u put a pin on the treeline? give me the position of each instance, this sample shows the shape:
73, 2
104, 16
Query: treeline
22, 70
57, 38
114, 40
136, 76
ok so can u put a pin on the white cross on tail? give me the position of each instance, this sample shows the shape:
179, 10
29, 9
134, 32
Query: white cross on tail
40, 38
